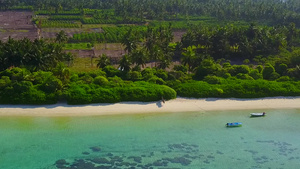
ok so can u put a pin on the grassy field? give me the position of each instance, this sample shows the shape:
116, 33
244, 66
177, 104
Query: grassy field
72, 46
109, 46
97, 25
84, 64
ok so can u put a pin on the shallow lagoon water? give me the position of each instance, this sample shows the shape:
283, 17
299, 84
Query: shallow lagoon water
192, 140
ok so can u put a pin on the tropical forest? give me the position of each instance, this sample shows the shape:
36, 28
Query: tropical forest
108, 51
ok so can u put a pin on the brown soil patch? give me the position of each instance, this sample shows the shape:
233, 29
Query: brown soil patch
49, 33
17, 25
178, 35
115, 55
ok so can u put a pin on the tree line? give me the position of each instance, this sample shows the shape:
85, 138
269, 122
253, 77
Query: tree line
110, 85
251, 45
34, 55
33, 72
266, 11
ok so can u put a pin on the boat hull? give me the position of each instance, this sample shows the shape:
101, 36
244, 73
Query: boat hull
257, 114
236, 124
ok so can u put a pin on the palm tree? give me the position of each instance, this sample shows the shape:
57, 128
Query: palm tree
129, 41
164, 62
156, 53
69, 58
61, 37
189, 56
124, 63
151, 39
103, 61
62, 72
139, 57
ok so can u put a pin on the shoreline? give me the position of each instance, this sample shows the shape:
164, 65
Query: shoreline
171, 106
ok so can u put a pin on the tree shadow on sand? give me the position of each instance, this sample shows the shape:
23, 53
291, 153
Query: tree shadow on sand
159, 104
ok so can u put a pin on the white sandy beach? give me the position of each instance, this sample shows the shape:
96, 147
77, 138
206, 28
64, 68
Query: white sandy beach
176, 105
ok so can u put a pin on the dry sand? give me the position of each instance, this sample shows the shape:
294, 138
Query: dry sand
176, 105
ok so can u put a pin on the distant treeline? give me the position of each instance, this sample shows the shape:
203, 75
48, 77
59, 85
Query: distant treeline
236, 42
267, 11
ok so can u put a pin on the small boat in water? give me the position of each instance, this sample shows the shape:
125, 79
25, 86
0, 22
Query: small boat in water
235, 124
258, 114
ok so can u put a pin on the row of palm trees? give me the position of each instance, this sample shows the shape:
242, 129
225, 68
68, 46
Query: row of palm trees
241, 42
199, 43
34, 55
152, 46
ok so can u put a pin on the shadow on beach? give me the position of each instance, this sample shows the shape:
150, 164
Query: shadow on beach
251, 99
64, 104
159, 103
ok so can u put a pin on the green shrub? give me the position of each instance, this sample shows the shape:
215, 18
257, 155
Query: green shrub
181, 68
268, 71
282, 69
236, 69
116, 81
138, 91
156, 80
103, 95
25, 93
4, 81
283, 79
96, 73
274, 76
147, 73
87, 79
212, 79
207, 67
255, 74
78, 94
74, 77
238, 88
162, 74
244, 76
260, 68
135, 75
101, 80
111, 71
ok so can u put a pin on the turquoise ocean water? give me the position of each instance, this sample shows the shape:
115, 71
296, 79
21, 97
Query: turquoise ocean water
171, 140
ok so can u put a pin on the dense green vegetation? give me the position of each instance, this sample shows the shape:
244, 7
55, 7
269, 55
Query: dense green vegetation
238, 88
138, 11
34, 55
231, 48
206, 69
20, 86
110, 85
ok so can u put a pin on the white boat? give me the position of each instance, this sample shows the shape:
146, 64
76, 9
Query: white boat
258, 114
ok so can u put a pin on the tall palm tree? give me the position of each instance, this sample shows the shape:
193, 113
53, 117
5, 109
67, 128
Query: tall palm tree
150, 40
139, 57
156, 54
61, 37
69, 58
164, 62
129, 41
103, 61
124, 64
189, 56
62, 72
